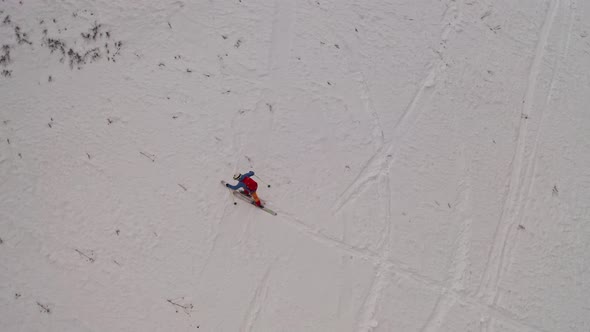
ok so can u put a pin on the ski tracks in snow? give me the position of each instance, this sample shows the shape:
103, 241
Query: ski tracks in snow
454, 285
382, 159
381, 280
523, 164
378, 167
384, 156
388, 270
257, 301
451, 291
365, 92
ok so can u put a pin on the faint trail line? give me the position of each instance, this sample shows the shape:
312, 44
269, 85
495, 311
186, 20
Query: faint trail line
257, 301
556, 66
443, 304
378, 167
454, 280
213, 244
385, 264
208, 258
330, 241
367, 312
449, 297
384, 242
365, 93
407, 273
454, 283
378, 135
531, 163
496, 313
384, 156
366, 254
490, 280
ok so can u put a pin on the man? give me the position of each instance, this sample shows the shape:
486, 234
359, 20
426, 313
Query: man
248, 186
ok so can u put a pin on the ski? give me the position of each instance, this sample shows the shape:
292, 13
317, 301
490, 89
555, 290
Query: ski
249, 200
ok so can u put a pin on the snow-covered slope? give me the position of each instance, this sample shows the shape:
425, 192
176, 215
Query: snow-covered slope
428, 160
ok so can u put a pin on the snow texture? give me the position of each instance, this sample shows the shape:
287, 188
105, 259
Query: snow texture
428, 160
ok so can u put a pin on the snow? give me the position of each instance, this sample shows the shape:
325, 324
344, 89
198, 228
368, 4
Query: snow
428, 161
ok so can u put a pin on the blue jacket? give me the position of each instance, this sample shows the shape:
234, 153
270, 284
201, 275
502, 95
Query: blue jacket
240, 183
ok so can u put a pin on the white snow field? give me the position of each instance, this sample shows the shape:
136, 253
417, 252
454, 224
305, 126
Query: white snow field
429, 161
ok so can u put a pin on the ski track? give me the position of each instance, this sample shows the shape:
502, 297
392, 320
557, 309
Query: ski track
511, 240
454, 284
355, 66
378, 166
532, 163
213, 242
387, 267
504, 236
359, 253
384, 157
442, 307
556, 67
449, 298
328, 240
257, 301
484, 324
384, 243
379, 161
367, 313
496, 313
451, 292
209, 254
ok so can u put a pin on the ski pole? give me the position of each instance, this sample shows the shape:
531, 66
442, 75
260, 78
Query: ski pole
268, 185
232, 196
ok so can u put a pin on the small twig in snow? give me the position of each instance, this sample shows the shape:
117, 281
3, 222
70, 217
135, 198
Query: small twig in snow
150, 157
44, 308
187, 308
90, 259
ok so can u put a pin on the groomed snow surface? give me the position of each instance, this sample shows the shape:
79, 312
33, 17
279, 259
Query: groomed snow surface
429, 161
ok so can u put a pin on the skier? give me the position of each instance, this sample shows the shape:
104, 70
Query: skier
248, 186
